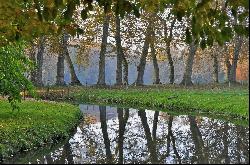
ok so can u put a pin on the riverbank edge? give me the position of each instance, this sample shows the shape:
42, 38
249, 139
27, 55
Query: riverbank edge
142, 98
48, 140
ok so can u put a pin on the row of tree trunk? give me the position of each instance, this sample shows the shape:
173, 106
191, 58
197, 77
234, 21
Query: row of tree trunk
122, 64
36, 75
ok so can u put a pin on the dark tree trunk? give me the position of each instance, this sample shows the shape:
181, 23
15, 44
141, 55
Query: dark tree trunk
74, 79
141, 67
189, 66
119, 52
39, 78
227, 63
228, 66
172, 138
155, 63
150, 143
122, 125
216, 69
200, 151
169, 56
105, 133
237, 48
60, 70
101, 77
125, 70
155, 124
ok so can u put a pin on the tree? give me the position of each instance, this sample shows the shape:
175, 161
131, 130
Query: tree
122, 124
119, 52
168, 43
60, 68
141, 66
150, 142
74, 79
12, 78
39, 76
200, 150
105, 133
106, 19
189, 64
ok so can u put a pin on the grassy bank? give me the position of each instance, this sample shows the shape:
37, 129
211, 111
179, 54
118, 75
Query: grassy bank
227, 102
36, 124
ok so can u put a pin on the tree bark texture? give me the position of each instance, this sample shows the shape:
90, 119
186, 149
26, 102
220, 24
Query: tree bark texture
74, 79
141, 66
119, 52
216, 69
101, 77
168, 46
39, 80
237, 48
155, 63
60, 70
189, 65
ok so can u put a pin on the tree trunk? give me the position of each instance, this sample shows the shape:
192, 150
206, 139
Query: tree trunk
101, 77
122, 125
156, 67
237, 48
150, 143
228, 65
119, 52
170, 137
155, 124
105, 133
39, 80
141, 67
200, 150
189, 66
60, 70
125, 70
74, 79
169, 56
216, 69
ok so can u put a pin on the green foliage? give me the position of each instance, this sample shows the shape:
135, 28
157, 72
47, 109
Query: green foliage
53, 15
37, 124
13, 65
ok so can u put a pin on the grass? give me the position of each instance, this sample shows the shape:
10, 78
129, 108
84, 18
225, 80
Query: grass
213, 100
37, 123
216, 100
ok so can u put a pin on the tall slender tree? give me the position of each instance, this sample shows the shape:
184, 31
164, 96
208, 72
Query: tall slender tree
40, 54
74, 78
101, 77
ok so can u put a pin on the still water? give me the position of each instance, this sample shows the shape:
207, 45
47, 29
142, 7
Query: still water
125, 135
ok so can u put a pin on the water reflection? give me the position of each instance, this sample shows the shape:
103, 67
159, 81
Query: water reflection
122, 135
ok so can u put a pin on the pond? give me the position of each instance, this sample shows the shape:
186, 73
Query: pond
125, 135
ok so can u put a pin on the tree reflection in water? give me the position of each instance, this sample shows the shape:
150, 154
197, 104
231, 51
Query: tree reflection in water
119, 135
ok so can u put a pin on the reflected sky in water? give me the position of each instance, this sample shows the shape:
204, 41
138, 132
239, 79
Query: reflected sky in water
122, 135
